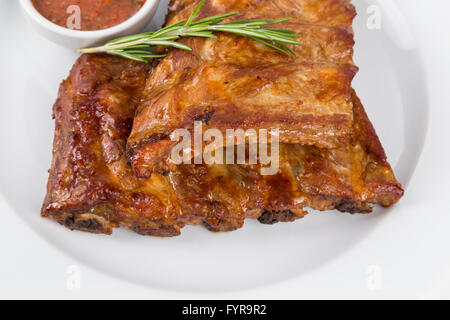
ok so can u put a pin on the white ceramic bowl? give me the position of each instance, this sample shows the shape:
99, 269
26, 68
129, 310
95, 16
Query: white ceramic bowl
80, 39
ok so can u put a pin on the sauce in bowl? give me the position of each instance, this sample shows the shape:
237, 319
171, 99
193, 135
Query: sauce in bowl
88, 15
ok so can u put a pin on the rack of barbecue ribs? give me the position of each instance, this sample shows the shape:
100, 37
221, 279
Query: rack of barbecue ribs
235, 82
114, 118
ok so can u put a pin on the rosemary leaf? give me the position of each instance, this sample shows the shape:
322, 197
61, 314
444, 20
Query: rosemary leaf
141, 47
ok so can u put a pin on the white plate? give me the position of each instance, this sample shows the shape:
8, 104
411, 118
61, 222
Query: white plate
391, 84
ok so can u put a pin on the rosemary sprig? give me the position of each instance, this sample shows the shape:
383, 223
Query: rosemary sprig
141, 47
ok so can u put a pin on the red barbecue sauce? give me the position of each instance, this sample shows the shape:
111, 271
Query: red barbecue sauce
94, 14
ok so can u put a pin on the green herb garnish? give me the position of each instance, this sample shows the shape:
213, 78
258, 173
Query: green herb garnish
141, 47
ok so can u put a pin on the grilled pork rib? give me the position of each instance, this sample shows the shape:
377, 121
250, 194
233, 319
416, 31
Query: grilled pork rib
236, 82
92, 187
330, 156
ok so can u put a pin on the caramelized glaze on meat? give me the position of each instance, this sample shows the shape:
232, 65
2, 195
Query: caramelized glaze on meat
243, 84
92, 187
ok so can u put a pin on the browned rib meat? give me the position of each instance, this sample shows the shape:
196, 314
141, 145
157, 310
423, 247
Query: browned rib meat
92, 188
240, 83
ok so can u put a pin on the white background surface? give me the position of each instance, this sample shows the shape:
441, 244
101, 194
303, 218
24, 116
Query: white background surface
411, 249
